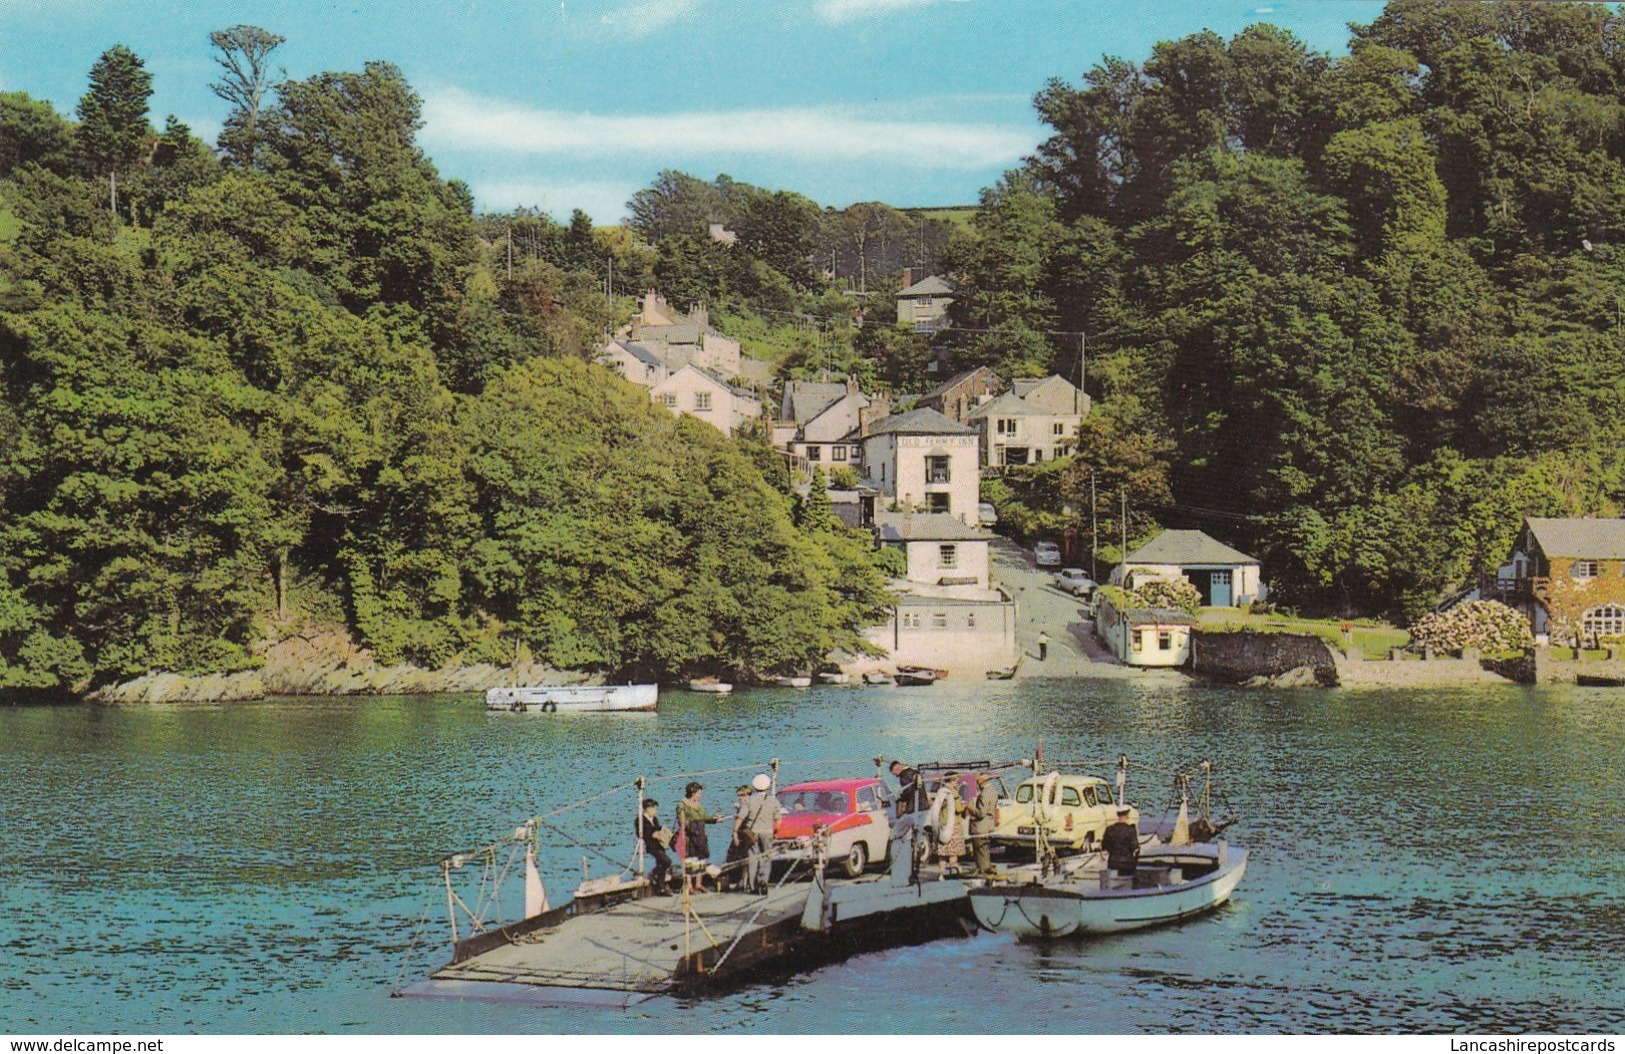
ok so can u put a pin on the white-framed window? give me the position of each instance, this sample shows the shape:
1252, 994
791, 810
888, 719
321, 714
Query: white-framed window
1006, 426
1059, 428
1584, 569
939, 620
911, 620
937, 502
837, 453
1165, 641
857, 452
937, 470
1606, 621
948, 555
815, 453
702, 401
669, 400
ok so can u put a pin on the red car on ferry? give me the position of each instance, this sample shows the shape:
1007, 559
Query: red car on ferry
856, 812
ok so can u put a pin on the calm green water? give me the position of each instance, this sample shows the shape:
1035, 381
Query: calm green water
1421, 861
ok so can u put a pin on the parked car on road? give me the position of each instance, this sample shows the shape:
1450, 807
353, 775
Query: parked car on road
1073, 580
1047, 554
987, 514
857, 813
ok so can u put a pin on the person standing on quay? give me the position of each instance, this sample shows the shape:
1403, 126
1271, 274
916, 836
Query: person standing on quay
983, 812
691, 820
1043, 645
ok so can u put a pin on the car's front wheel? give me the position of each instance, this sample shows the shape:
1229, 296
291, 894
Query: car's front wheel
857, 859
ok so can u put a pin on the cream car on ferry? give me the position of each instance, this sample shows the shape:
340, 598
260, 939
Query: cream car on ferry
1074, 812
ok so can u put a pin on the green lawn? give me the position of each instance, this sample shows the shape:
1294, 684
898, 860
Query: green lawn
1374, 641
958, 215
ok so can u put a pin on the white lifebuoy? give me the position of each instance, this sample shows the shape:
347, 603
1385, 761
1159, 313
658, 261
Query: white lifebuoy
945, 828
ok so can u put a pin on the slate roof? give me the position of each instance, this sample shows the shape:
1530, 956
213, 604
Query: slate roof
936, 285
942, 389
925, 527
1589, 537
682, 333
1007, 405
807, 399
1187, 547
921, 421
641, 353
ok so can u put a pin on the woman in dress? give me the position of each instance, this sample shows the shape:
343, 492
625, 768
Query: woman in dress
691, 820
951, 813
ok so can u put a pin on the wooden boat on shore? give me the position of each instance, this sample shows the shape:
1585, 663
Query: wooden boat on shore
877, 677
792, 682
710, 685
836, 677
919, 675
572, 699
1172, 882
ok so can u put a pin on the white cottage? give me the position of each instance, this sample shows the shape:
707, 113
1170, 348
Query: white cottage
700, 393
1224, 576
923, 460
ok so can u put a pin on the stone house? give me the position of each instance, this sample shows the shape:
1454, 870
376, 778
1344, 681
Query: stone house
941, 550
924, 304
1145, 636
1568, 576
925, 461
1224, 576
963, 392
635, 362
1025, 429
683, 339
700, 393
822, 424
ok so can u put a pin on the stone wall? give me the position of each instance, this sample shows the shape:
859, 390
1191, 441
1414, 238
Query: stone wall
1550, 670
1238, 657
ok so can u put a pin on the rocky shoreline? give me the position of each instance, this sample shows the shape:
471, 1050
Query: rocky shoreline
324, 662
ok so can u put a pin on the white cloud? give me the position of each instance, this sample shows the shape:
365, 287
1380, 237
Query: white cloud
843, 11
648, 16
605, 201
459, 120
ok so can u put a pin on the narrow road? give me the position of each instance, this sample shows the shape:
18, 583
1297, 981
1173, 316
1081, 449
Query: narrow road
1074, 650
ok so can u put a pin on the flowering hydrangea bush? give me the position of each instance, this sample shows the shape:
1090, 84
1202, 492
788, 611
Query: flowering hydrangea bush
1167, 593
1487, 625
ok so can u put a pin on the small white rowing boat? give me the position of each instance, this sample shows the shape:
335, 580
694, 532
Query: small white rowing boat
572, 699
793, 682
711, 685
1172, 882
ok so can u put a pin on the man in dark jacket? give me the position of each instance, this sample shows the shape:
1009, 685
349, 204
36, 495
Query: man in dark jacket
910, 791
1122, 845
655, 838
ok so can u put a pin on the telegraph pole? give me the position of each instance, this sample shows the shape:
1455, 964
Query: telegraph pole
1083, 357
1123, 519
1094, 530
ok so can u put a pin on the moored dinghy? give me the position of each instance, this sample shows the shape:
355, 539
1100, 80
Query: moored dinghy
793, 682
572, 699
1171, 883
710, 685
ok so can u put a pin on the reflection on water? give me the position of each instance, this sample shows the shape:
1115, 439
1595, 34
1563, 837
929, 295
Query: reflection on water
1426, 861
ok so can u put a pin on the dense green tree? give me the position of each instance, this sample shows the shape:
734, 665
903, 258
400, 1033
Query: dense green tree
113, 130
32, 132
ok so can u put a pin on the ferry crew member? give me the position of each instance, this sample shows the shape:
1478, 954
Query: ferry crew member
733, 864
655, 838
760, 818
1122, 845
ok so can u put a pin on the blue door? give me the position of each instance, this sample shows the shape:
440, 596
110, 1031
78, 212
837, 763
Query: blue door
1220, 588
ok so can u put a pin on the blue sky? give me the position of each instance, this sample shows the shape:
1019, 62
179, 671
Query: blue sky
578, 103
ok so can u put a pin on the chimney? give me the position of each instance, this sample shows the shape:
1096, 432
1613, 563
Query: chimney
908, 277
851, 385
650, 305
701, 316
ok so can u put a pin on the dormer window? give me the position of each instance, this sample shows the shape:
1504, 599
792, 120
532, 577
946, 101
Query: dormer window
1584, 569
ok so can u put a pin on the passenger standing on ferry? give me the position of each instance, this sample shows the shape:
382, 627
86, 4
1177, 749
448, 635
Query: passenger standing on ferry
692, 818
909, 788
734, 863
983, 812
761, 817
655, 838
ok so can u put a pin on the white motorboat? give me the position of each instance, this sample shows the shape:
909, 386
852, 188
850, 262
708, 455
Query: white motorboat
1172, 882
710, 685
793, 682
572, 699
